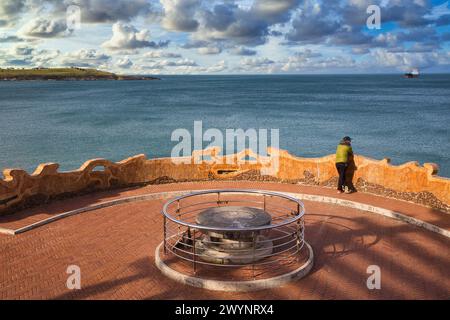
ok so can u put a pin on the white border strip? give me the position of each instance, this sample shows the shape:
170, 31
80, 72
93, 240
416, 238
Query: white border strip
235, 286
165, 195
372, 209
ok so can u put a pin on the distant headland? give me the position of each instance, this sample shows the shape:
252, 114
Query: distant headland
67, 74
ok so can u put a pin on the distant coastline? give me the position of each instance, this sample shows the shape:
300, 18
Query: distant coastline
64, 74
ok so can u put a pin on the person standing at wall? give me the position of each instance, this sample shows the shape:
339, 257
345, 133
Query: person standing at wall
343, 153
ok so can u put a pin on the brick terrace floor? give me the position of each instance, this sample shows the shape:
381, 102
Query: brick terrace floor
114, 248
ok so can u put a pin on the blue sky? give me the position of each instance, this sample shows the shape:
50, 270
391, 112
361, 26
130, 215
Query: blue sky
226, 36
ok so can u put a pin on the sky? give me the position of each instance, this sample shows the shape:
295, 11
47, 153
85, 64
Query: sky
227, 36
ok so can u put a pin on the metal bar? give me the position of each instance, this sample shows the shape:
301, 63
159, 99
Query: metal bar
193, 225
178, 212
287, 221
254, 248
303, 232
298, 236
165, 235
194, 251
285, 243
229, 201
266, 256
234, 265
236, 191
286, 230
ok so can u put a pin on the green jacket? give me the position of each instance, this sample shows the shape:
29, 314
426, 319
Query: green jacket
342, 153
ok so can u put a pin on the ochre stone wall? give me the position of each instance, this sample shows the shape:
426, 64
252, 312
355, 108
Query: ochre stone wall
409, 181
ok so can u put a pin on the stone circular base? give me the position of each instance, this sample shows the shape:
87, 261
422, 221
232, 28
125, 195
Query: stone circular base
235, 286
233, 217
225, 254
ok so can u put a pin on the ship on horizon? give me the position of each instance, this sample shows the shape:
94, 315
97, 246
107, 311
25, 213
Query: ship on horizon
413, 74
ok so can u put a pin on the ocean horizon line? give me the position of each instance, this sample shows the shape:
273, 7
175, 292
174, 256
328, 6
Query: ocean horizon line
288, 74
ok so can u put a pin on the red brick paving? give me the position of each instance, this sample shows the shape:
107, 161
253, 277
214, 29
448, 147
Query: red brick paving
114, 248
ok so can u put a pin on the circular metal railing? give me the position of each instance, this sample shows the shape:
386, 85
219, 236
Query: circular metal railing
277, 241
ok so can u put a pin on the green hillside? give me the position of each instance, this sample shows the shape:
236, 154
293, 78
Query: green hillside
63, 74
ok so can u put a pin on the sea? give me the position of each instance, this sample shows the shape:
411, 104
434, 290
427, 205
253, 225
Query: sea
69, 122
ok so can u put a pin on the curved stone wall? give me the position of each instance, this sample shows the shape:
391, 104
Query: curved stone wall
409, 181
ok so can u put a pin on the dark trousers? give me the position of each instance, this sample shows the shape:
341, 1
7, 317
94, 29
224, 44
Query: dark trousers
341, 169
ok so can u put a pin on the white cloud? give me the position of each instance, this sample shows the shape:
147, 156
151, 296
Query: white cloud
101, 11
218, 67
126, 36
45, 58
178, 14
274, 9
209, 50
124, 63
300, 60
86, 58
9, 11
161, 65
406, 61
161, 54
256, 62
26, 55
44, 28
178, 63
242, 51
256, 65
22, 50
310, 61
10, 38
